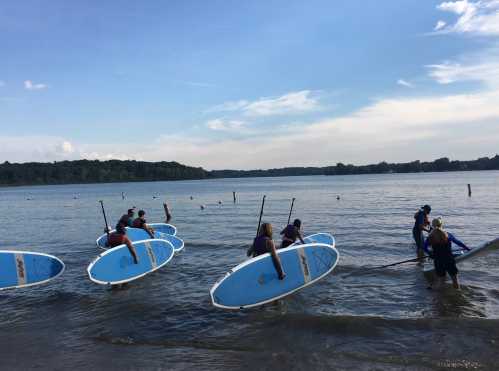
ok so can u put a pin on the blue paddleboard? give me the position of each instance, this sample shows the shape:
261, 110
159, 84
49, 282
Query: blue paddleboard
116, 265
255, 282
324, 238
160, 229
23, 268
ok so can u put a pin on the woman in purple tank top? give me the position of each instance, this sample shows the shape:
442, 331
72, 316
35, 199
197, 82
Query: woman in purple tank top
262, 244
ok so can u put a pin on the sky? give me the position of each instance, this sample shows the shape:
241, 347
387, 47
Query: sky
249, 84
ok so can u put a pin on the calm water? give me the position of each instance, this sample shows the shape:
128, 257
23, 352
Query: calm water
386, 319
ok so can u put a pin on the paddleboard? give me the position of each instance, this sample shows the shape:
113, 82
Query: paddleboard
324, 238
159, 230
23, 268
255, 281
116, 265
461, 255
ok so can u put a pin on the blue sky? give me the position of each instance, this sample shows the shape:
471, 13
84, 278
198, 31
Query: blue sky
255, 84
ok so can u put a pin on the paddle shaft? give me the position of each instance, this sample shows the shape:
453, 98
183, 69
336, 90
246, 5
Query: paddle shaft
291, 209
402, 262
105, 218
167, 213
261, 214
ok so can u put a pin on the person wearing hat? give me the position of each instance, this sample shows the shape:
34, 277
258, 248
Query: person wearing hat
127, 219
441, 243
141, 223
421, 223
291, 233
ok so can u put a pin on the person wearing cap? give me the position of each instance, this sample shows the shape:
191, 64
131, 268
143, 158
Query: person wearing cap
443, 258
421, 223
127, 219
119, 237
291, 233
141, 223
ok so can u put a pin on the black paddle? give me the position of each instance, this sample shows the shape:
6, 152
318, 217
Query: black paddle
167, 213
367, 270
291, 210
261, 214
105, 219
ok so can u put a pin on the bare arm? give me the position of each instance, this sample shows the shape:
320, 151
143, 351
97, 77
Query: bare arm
149, 230
132, 250
275, 259
300, 237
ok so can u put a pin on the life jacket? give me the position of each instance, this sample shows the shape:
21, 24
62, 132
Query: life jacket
138, 223
116, 239
442, 247
260, 245
420, 214
290, 233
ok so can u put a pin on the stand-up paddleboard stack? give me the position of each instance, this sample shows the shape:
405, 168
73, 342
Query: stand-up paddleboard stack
117, 266
256, 282
23, 268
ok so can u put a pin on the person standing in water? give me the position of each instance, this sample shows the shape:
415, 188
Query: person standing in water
441, 243
141, 223
291, 233
127, 219
262, 244
119, 237
421, 223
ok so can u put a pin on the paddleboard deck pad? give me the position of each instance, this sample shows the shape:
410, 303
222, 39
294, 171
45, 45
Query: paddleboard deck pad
116, 266
255, 281
22, 268
462, 255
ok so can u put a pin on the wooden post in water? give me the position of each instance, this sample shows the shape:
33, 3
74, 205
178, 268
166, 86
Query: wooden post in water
234, 196
469, 190
167, 213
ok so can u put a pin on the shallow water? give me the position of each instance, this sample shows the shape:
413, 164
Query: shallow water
352, 319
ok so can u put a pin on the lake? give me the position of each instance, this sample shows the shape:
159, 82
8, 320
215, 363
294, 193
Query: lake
352, 319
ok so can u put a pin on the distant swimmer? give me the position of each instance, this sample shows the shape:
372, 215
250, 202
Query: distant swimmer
441, 243
141, 222
264, 244
421, 223
201, 207
291, 233
119, 237
192, 198
127, 219
338, 198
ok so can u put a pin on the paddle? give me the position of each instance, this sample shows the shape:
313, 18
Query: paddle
105, 219
167, 213
367, 270
291, 210
261, 214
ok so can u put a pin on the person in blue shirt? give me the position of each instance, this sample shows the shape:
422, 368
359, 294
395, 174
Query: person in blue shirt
443, 258
421, 223
127, 218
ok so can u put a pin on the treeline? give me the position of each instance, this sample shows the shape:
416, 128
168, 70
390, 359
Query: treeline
86, 171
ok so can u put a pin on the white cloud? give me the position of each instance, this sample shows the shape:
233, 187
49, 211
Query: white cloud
480, 17
225, 125
29, 85
291, 103
439, 25
448, 72
405, 83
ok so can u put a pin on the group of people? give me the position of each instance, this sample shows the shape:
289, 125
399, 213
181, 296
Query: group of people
119, 237
263, 243
440, 242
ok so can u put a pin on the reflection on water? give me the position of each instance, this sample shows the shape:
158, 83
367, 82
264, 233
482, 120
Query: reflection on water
353, 319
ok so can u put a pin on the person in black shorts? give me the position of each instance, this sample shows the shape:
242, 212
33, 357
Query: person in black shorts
443, 258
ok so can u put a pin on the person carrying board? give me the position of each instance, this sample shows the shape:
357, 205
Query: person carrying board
127, 219
441, 243
119, 237
262, 244
141, 223
291, 233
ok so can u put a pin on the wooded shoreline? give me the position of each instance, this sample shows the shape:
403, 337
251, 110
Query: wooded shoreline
113, 171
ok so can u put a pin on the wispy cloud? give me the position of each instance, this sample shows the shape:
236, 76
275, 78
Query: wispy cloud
405, 83
29, 85
225, 125
291, 103
480, 17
